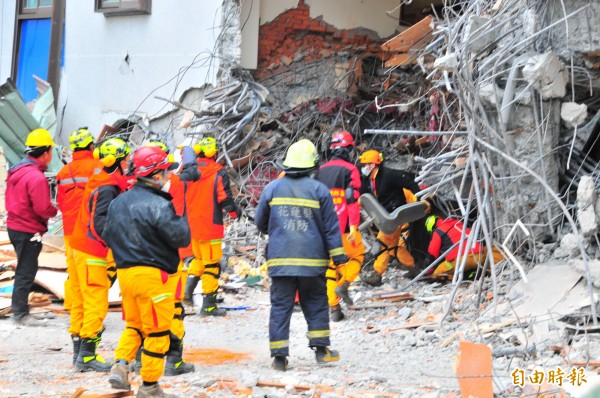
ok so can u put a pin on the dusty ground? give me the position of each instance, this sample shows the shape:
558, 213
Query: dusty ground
231, 354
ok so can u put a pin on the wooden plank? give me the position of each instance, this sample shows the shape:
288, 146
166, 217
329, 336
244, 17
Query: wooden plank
264, 383
53, 260
401, 59
53, 281
6, 275
411, 36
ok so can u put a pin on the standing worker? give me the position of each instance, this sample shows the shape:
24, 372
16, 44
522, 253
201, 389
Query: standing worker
145, 233
71, 181
298, 214
95, 271
343, 180
28, 204
392, 188
206, 200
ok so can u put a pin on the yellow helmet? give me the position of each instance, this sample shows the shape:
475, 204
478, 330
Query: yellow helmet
80, 139
301, 155
38, 138
430, 223
111, 150
371, 156
207, 147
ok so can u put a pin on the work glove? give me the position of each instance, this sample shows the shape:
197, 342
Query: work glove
236, 213
189, 172
339, 260
352, 234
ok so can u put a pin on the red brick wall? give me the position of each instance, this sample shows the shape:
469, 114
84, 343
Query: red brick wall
293, 36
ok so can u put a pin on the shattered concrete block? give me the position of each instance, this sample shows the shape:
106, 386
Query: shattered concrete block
447, 62
587, 221
547, 74
570, 245
594, 265
573, 114
477, 39
491, 94
523, 96
586, 192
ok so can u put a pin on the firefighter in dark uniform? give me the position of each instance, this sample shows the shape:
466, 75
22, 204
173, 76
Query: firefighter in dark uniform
298, 214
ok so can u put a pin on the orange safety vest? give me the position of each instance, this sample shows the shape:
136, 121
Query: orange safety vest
203, 200
71, 180
178, 191
85, 238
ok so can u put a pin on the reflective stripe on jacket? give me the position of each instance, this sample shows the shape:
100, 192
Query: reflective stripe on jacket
142, 228
206, 199
339, 175
71, 180
100, 190
299, 216
27, 197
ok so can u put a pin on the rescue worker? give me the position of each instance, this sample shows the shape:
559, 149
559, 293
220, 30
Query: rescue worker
343, 180
71, 181
444, 234
145, 233
95, 271
297, 213
392, 188
206, 200
175, 365
27, 201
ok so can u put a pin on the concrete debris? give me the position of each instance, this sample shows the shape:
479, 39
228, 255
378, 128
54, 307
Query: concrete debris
594, 269
573, 114
548, 75
448, 63
479, 34
570, 245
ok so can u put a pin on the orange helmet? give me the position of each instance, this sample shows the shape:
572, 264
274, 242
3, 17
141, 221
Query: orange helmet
371, 156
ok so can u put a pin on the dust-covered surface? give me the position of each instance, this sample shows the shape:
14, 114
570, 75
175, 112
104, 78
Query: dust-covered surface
379, 357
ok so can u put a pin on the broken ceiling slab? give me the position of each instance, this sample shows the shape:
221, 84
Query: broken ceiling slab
410, 37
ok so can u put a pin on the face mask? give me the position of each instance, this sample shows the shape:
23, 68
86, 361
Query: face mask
366, 170
165, 188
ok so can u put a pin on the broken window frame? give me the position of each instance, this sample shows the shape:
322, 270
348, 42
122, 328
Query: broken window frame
123, 7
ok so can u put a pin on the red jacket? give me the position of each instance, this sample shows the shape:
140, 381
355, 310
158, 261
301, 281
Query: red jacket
339, 175
71, 180
100, 190
27, 197
206, 199
447, 232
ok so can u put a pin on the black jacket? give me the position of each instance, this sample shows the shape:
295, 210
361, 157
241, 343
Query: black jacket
389, 185
142, 228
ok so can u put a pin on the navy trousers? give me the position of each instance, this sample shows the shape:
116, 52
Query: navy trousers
27, 267
312, 292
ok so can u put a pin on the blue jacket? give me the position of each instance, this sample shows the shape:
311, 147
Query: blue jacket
299, 216
142, 228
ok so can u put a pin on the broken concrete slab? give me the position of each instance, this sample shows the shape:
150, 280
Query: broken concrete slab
594, 265
573, 114
547, 74
476, 37
570, 244
491, 94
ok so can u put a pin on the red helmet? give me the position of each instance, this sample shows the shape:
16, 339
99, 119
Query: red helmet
341, 139
148, 159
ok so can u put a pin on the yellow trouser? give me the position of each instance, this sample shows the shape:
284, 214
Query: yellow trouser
70, 256
148, 301
90, 281
391, 241
346, 272
446, 268
207, 254
177, 327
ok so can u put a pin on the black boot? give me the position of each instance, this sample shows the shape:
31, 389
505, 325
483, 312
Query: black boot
191, 283
88, 360
280, 363
336, 313
373, 279
175, 365
209, 306
76, 346
324, 355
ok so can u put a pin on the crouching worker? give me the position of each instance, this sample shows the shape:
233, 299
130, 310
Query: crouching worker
444, 234
298, 214
145, 233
